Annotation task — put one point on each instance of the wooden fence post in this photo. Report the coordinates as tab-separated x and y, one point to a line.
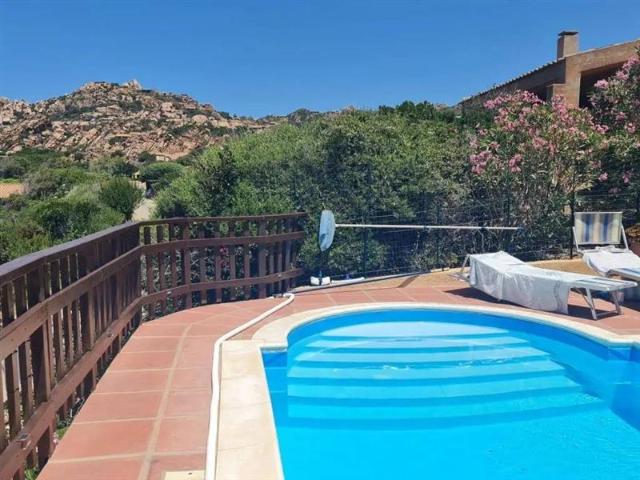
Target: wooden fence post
186	265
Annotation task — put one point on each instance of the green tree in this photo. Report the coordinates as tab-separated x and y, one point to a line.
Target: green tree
21	236
115	166
64	219
206	189
160	174
121	195
11	168
55	182
146	157
358	164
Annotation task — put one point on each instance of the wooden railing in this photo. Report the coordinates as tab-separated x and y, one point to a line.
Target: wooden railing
66	311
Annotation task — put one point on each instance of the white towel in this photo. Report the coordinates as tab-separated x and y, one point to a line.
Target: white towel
506	278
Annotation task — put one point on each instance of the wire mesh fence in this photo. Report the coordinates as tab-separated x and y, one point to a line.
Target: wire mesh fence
384	250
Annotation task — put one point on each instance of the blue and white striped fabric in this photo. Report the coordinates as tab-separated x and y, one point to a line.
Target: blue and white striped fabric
598	228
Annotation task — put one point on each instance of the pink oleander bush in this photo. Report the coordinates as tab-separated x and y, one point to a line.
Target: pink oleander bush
536	153
616	105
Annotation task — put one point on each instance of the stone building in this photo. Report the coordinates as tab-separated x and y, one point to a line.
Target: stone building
572	74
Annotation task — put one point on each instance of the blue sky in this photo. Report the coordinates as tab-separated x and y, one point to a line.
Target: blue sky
273	56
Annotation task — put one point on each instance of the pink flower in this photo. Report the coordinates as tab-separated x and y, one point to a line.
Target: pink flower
622	75
603	176
601	84
477	169
538	143
514	163
630	63
479	161
630	127
517	158
559	106
601	128
621	116
626	177
490	104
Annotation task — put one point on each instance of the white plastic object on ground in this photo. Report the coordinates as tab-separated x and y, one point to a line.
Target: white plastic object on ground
315	281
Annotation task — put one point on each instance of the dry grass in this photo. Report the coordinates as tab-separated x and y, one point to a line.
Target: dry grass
8	189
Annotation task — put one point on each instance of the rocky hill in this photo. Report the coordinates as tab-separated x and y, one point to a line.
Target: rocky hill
118	119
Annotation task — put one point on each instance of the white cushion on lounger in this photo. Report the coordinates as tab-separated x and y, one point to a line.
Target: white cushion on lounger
603	260
506	278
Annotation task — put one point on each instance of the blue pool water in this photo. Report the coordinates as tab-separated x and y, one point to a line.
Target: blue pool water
427	394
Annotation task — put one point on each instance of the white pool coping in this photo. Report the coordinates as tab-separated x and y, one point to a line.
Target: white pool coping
248	445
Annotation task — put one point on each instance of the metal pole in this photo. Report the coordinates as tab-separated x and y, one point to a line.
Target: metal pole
365	249
508	219
572	207
365	246
438	246
422	227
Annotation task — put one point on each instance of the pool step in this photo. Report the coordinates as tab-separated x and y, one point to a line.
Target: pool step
456	357
422	374
409	344
411	328
441	392
489	411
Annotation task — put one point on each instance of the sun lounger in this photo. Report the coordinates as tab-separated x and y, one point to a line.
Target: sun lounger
601	240
504	277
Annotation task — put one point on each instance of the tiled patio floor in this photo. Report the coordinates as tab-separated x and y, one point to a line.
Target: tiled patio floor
149	413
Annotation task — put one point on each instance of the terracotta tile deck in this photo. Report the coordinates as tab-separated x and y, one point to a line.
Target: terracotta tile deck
149	413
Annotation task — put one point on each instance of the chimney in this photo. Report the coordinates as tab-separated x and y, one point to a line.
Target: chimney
567	44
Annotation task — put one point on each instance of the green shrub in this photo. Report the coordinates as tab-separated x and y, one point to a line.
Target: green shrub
207	188
55	182
64	203
116	166
64	219
146	157
19	164
121	195
356	163
11	168
160	174
181	199
190	158
21	236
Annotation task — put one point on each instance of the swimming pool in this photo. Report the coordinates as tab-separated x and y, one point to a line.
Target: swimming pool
419	393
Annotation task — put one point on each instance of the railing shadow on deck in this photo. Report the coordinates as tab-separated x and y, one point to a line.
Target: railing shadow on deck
66	311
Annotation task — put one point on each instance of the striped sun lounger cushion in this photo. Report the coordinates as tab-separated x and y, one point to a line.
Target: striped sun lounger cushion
598	228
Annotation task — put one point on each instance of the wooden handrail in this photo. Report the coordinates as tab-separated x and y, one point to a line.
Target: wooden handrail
19	266
66	311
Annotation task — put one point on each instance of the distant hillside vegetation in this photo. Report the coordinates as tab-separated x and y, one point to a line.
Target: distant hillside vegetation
109	119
